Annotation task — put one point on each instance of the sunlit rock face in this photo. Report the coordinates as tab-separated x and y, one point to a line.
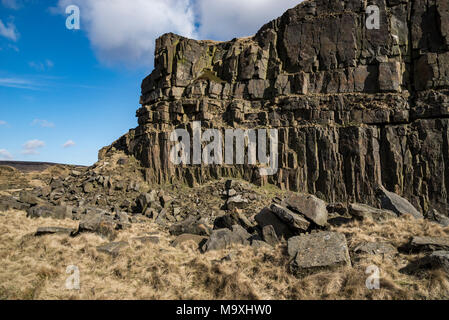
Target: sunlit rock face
355	107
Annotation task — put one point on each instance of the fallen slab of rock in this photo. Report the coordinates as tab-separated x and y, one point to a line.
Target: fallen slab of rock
318	251
363	211
438	260
192	225
42	231
266	217
225	238
293	220
236	202
437	217
399	205
419	244
308	205
49	211
376	248
100	224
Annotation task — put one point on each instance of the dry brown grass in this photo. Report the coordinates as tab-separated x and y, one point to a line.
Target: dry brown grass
34	268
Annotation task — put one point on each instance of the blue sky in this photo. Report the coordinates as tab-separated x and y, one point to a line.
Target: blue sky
64	94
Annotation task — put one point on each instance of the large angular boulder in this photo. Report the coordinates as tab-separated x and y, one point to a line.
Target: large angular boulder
192	225
233	218
266	217
437	217
438	260
429	244
50	211
363	211
293	220
42	231
397	204
225	238
308	205
100	224
318	251
269	235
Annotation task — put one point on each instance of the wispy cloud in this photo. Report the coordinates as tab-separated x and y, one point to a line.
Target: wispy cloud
5	155
8	31
43	123
3	123
69	144
32	146
41	66
18	83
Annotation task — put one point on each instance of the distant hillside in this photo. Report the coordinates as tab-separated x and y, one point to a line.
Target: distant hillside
28	166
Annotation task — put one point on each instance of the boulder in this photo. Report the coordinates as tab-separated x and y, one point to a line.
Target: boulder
363	211
225	238
318	251
233	218
236	202
293	220
29	198
437	217
144	201
113	248
376	248
266	217
308	205
269	235
49	211
418	244
397	204
100	224
438	260
183	238
88	187
192	225
42	231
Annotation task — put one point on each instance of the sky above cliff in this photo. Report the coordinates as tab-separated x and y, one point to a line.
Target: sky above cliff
64	94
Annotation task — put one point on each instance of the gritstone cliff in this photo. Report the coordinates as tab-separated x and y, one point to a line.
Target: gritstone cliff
355	108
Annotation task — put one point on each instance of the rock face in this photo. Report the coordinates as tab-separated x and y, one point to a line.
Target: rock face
355	108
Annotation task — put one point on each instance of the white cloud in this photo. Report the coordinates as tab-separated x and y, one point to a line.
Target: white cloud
43	123
125	31
69	144
8	31
41	66
228	19
5	155
3	123
32	146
